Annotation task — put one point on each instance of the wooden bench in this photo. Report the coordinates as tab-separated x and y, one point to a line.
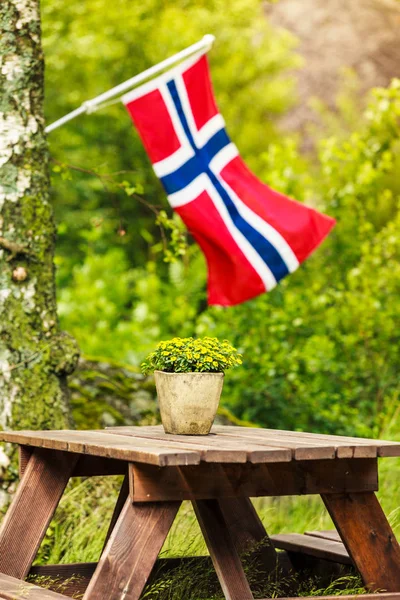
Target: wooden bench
318	545
326	545
320	554
15	589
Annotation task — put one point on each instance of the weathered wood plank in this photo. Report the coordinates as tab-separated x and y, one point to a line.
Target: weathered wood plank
15	589
222	550
345	444
131	551
224	444
304	544
297	450
206	481
330	534
305	447
301	450
30	513
213	448
368	538
105	445
331	437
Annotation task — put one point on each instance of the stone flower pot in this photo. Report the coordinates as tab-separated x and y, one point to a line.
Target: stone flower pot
188	401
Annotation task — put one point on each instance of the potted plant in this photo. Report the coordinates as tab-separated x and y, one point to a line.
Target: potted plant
189	375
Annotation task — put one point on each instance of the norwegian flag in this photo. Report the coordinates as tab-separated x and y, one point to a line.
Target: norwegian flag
251	235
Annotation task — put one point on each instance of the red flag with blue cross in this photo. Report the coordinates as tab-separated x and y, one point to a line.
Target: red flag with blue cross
251	235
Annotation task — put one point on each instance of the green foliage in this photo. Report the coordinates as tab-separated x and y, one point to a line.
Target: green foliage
178	244
120	312
80	525
105	393
188	355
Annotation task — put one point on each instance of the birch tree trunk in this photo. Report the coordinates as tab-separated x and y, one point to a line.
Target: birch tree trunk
35	356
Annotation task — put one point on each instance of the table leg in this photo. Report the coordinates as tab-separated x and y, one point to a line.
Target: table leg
247	531
25	524
132	551
222	549
368	537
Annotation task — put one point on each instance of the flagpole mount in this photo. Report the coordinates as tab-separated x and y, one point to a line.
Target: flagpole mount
90	106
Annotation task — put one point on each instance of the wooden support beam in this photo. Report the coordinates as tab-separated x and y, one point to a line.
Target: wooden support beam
368	538
103	444
38	496
207	481
15	589
86	466
222	550
132	551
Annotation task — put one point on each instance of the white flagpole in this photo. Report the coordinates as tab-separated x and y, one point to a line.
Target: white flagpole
91	105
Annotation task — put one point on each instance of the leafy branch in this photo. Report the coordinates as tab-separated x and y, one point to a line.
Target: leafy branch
173	249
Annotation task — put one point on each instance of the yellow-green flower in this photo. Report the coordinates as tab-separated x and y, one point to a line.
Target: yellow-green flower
178	354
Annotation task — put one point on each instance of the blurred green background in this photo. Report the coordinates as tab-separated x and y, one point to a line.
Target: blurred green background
321	352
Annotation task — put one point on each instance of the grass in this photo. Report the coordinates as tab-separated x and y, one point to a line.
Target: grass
78	530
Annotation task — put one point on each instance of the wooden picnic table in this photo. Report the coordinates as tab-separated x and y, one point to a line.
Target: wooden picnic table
218	474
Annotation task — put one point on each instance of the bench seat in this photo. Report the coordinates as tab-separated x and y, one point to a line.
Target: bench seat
325	545
15	589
